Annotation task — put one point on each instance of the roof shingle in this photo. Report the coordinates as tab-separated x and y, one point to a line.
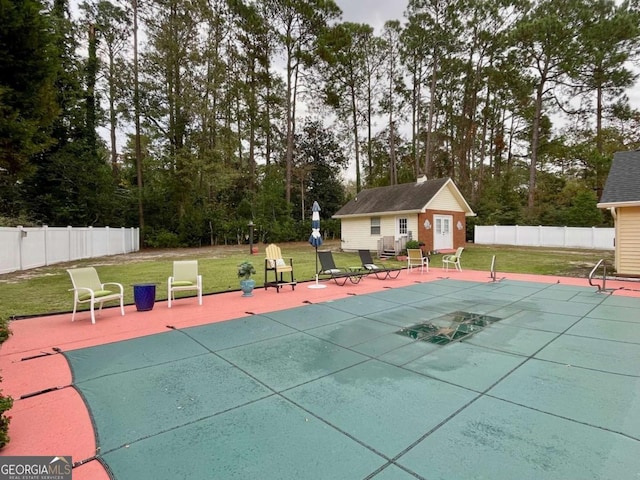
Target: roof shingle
394	198
623	182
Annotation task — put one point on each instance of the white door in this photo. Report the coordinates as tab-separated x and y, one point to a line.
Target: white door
442	233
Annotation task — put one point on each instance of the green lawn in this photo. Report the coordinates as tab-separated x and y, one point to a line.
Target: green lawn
46	290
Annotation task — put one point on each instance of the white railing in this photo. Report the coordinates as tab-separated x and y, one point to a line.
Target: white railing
569	237
22	248
386	244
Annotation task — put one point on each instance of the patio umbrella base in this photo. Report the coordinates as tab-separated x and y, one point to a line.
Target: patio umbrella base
317	285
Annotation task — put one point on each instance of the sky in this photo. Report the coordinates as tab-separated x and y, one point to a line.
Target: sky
372	12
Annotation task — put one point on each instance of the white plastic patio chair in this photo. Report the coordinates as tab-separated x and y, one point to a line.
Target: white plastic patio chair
87	288
453	259
185	277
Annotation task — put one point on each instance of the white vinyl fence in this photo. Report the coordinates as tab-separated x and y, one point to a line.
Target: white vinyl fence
22	248
570	237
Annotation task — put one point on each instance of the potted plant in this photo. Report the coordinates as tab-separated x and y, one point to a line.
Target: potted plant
403	254
414	244
247	284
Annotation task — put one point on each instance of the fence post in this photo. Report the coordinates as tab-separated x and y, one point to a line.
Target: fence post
21	233
90	242
564	236
69	242
45	230
517	234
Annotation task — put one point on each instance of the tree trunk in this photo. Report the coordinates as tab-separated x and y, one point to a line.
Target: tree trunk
535	142
428	167
136	106
354	119
289	107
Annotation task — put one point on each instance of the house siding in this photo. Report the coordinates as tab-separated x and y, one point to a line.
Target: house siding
445	201
628	241
413	226
356	232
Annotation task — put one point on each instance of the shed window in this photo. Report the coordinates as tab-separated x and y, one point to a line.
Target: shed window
375	225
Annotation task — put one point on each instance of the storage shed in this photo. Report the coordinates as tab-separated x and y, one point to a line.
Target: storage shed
383	219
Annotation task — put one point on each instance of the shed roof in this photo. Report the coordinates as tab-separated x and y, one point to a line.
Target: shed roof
623	183
406	198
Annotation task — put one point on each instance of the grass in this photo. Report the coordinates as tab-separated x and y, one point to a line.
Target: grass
46	289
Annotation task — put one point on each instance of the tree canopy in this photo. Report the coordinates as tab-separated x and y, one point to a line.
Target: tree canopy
193	118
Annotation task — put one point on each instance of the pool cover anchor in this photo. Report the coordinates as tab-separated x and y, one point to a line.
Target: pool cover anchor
40	392
42	354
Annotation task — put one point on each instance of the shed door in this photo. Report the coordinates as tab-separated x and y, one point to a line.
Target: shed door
442	233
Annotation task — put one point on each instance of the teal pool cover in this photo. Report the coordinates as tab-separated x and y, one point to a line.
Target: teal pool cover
546	387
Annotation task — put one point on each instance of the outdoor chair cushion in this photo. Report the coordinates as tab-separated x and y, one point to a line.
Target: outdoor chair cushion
185	277
85	281
99	293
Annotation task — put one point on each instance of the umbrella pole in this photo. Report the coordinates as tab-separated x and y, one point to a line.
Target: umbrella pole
316	285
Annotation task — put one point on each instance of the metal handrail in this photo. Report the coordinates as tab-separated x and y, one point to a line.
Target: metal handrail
603	287
493	269
493	274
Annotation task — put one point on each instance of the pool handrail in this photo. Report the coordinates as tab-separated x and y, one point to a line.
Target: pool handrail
601	288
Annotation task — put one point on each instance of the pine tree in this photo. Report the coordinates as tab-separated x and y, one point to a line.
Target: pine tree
27	102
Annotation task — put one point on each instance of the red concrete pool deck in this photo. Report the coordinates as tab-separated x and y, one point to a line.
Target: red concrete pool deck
57	421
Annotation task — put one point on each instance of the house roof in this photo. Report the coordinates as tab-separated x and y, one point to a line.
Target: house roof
405	198
622	188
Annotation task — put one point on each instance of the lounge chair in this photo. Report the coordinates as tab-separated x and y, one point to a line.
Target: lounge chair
276	264
87	288
380	271
341	276
185	277
453	259
415	258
